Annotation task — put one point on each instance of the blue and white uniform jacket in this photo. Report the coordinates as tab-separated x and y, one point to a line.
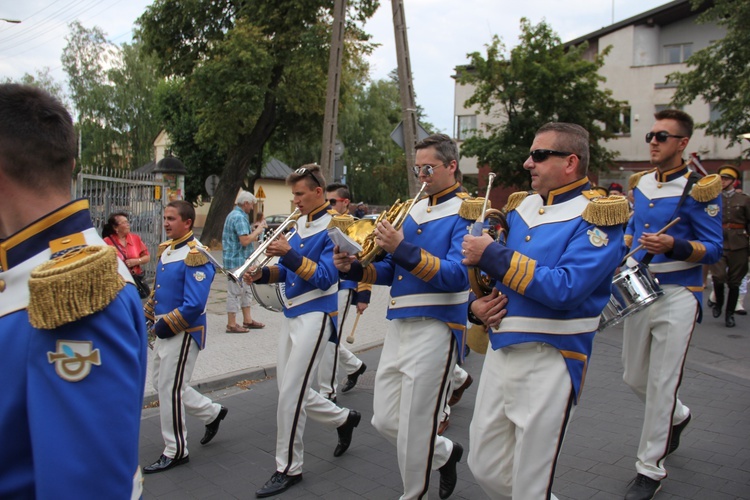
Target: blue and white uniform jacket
557	272
183	282
73	387
697	236
362	291
311	281
425	272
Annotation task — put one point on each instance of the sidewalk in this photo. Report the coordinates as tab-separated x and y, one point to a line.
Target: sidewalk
597	460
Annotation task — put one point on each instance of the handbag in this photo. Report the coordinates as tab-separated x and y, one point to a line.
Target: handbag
143	289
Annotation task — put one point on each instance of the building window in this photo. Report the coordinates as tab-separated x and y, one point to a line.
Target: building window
675	54
714	113
625	120
467	127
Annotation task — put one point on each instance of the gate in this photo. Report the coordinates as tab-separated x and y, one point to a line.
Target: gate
139	195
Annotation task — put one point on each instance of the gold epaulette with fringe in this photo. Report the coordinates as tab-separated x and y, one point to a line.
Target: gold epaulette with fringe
607	211
341	221
195	258
471	208
514	200
73	286
162	247
707	188
634	179
463	195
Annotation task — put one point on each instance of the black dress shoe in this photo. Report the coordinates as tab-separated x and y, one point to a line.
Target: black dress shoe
165	463
644	488
345	431
351	380
213	427
741	312
456	396
674	439
279	482
729	321
448	473
716	311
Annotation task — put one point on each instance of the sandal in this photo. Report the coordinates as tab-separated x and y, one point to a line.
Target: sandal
254	325
236	329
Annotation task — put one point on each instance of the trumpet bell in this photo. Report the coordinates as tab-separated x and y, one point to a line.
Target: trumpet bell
362	231
478	339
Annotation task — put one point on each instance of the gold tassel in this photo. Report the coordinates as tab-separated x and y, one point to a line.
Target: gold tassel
471	208
341	221
195	258
609	211
71	287
634	179
707	188
162	247
514	200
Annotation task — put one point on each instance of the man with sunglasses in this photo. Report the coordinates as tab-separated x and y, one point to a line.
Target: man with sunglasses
564	243
349	293
426	334
310	313
656	339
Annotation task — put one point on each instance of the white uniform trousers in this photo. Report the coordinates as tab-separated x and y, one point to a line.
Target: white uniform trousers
457	380
654	347
336	356
523	406
411	385
173	363
301	345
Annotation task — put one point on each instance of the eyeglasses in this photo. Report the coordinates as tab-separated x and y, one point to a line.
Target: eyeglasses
662	136
427	170
333	201
303	171
540	155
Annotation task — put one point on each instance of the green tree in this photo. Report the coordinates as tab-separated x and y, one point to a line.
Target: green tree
44	80
113	92
721	72
249	68
540	81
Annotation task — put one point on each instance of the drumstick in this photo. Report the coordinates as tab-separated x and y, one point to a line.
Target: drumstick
350	338
661	231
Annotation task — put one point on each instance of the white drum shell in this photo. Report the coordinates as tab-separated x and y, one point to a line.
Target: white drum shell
270	295
633	289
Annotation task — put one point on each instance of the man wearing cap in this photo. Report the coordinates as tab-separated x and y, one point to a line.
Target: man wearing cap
732	266
360	211
615	189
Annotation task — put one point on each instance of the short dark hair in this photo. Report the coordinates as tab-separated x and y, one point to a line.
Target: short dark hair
683	119
312	175
445	148
342	190
37	138
185	209
570	137
109	227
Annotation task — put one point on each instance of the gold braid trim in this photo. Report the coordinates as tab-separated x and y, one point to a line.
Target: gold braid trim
707	188
341	221
71	287
514	200
634	179
471	208
609	211
162	247
194	258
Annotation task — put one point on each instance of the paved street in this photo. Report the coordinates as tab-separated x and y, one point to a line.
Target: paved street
597	462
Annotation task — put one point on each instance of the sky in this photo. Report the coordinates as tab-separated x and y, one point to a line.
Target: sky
440	35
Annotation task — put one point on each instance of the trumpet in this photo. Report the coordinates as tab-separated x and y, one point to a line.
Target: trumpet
254	259
481	284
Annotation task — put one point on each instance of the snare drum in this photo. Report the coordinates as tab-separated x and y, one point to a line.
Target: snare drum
633	289
270	295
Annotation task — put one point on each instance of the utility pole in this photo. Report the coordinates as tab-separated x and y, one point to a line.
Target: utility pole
330	121
406	90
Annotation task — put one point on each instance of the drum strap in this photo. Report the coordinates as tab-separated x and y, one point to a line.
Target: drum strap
692	179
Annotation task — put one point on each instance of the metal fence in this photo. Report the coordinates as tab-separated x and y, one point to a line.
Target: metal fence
141	196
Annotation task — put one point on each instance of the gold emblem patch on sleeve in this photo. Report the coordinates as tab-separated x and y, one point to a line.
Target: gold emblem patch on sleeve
597	237
199	276
73	359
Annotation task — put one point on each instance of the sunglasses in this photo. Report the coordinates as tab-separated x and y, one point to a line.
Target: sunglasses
427	170
333	201
540	155
303	171
662	136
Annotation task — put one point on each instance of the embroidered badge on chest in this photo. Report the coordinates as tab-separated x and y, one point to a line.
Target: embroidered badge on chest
597	237
73	359
199	275
712	210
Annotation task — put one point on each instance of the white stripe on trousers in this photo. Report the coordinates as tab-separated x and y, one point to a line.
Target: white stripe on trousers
337	355
523	406
301	344
173	363
410	390
654	348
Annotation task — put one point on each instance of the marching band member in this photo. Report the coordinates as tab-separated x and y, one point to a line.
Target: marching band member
563	245
177	309
73	361
310	310
656	340
426	335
